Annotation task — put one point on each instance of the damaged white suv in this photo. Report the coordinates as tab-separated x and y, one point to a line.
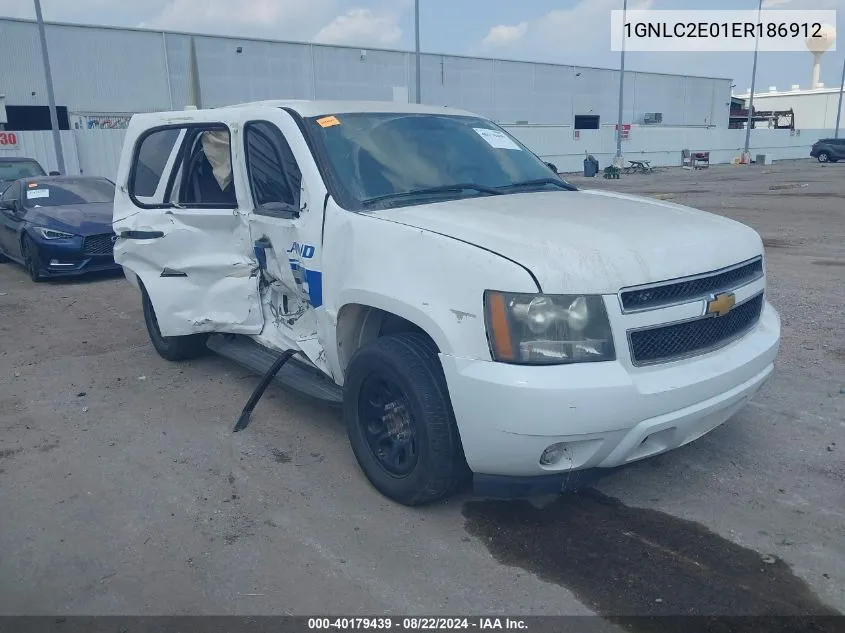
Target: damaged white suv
475	314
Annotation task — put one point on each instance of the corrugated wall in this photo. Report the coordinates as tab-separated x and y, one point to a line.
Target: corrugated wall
120	70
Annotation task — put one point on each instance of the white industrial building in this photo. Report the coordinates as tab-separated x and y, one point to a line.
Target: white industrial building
813	109
100	73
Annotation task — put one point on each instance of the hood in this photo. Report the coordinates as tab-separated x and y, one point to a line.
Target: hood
589	241
79	219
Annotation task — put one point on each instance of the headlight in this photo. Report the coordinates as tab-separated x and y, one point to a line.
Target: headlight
547	329
50	234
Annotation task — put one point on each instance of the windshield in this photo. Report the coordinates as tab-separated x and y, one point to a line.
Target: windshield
382	160
12	170
59	193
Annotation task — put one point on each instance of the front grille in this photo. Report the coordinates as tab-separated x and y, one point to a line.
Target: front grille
650	297
98	244
664	343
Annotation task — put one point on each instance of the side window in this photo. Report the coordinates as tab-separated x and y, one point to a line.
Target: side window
151	158
273	173
12	192
188	166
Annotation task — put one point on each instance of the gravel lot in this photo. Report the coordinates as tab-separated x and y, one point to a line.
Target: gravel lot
123	490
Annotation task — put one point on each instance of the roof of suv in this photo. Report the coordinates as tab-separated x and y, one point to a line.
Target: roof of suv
315	108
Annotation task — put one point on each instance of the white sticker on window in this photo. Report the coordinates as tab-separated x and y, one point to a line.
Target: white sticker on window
496	139
37	193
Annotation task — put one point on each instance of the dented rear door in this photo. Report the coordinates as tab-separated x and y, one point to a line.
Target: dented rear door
181	220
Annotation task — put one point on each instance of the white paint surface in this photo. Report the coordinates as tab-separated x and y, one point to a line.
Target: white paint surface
431	264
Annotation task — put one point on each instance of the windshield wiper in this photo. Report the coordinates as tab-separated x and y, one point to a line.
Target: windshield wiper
538	182
456	188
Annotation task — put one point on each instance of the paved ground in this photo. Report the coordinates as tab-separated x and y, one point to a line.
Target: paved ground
123	491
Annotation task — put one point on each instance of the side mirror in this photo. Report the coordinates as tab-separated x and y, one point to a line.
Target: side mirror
552	166
8	205
55	173
278	210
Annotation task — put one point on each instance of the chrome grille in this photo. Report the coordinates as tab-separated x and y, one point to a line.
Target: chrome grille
691	288
688	338
98	244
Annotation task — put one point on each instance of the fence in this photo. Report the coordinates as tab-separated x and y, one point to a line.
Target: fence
97	152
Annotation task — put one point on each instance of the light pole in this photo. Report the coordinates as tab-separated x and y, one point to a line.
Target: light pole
621	86
417	48
839	109
51	99
753	81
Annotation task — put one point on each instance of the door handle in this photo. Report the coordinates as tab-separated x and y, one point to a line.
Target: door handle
141	235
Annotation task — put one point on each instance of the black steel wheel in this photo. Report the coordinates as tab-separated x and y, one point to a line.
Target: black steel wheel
389	429
400	422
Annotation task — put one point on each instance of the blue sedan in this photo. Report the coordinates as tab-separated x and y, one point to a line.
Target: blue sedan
58	226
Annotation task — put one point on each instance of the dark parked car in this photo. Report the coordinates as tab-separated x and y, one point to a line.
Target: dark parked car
828	150
58	226
12	168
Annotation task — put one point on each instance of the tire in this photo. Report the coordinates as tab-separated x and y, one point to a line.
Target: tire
824	157
172	348
417	415
31	259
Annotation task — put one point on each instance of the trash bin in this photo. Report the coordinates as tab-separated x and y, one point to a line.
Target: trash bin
591	166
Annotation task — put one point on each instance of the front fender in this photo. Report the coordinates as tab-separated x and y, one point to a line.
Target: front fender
432	280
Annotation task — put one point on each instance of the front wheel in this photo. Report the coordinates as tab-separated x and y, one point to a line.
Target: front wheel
824	157
172	348
400	422
32	259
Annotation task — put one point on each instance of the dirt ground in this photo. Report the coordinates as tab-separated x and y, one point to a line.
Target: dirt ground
123	490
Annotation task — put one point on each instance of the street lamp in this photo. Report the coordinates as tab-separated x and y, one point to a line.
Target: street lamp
839	109
621	86
417	47
753	81
51	99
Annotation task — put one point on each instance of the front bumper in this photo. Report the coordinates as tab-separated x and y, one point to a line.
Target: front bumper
67	258
606	414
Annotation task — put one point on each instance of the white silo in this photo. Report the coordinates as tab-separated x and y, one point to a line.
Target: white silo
818	46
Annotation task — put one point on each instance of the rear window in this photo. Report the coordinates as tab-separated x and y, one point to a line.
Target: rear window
12	170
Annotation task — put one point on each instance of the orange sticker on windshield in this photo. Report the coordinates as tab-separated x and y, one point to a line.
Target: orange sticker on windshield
328	121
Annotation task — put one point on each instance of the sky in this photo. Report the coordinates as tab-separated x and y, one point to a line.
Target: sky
559	31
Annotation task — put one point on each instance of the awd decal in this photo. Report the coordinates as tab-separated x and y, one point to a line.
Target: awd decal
311	280
303	251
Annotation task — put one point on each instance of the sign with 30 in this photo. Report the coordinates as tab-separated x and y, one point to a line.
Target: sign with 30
8	140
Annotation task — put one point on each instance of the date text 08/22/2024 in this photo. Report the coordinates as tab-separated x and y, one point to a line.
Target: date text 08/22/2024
415	624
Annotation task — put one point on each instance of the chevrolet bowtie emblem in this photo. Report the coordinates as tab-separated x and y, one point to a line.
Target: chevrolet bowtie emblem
721	304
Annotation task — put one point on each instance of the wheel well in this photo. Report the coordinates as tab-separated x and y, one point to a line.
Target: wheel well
358	324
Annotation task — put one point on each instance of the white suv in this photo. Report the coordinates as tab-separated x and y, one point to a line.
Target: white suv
475	314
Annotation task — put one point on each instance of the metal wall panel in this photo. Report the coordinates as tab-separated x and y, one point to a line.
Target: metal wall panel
554	90
262	70
458	82
94	67
354	73
99	69
21	74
